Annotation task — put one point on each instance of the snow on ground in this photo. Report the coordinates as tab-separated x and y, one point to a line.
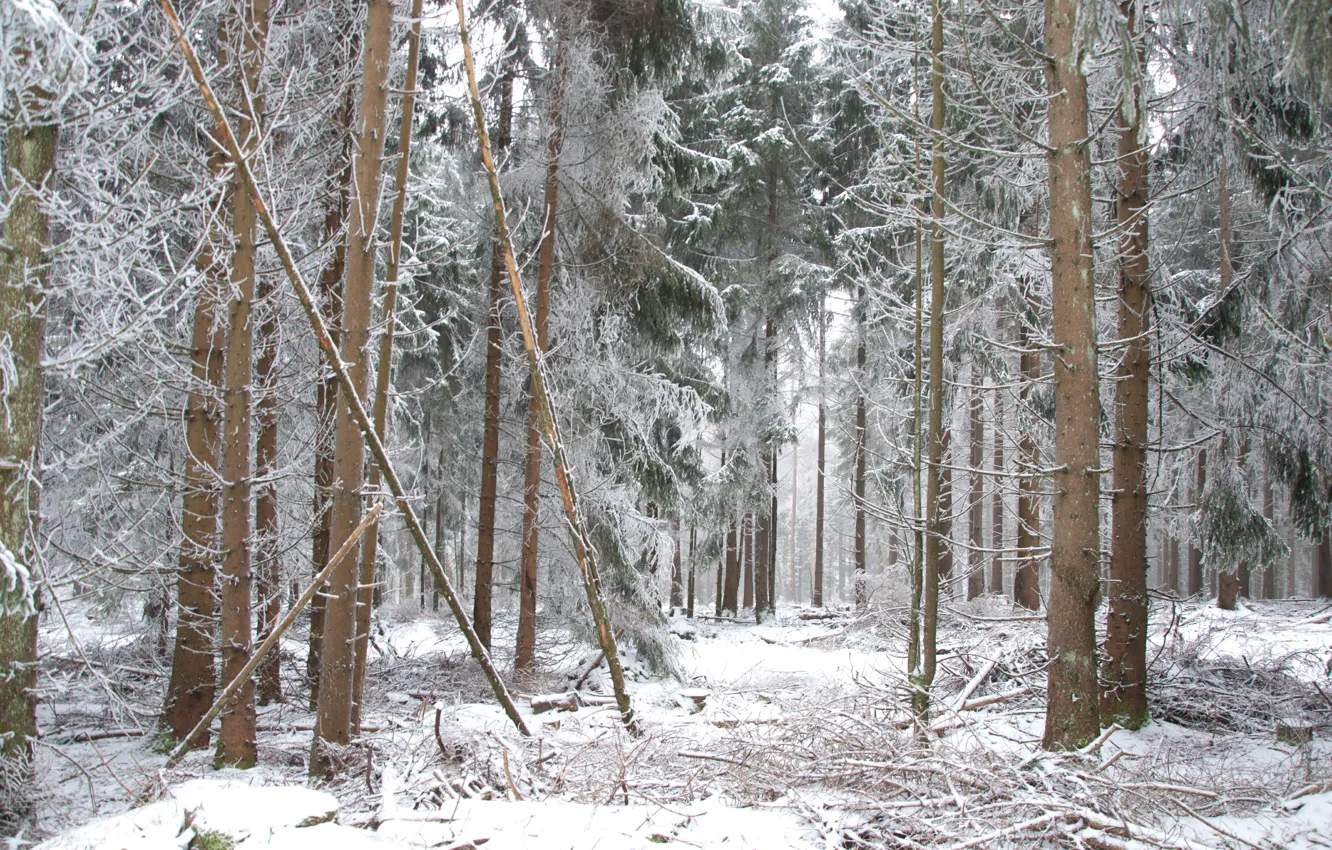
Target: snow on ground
791	734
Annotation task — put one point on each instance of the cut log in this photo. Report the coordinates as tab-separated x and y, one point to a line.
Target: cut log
567	701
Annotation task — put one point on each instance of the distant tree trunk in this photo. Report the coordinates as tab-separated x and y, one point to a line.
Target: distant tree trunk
1195	585
997	510
727	593
269	585
1072	718
1027	576
525	650
772	536
367	590
193	674
1124	700
485	526
946	587
677	568
766	527
858	473
1174	564
337	673
976	519
935	511
1269	512
763	539
1230	585
326	388
1322	585
693	543
30	157
748	532
816	598
236	742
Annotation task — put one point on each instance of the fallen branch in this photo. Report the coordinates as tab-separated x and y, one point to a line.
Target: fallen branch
223	702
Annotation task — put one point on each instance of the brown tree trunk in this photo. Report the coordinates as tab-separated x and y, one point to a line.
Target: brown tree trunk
337	673
945	526
1195	585
976	518
269	585
1124	700
729	591
384	370
763	539
525	651
193	674
816	594
997	509
766	526
1027	576
677	567
1174	564
747	532
236	741
1072	718
30	156
486	505
326	388
693	541
1269	512
858	473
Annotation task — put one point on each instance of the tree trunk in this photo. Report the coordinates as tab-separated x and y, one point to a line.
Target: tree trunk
747	535
858	474
326	388
269	586
1124	700
485	526
1322	584
1071	717
193	674
1027	576
236	742
732	584
693	540
933	572
997	509
30	155
945	527
1195	585
763	540
1269	512
337	673
976	519
524	654
365	596
677	567
816	594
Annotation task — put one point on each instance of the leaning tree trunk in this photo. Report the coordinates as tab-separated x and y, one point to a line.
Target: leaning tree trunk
490	433
1071	717
384	370
30	155
193	673
337	671
236	741
1124	700
524	657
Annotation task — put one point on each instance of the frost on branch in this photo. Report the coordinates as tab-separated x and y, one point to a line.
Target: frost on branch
43	62
15	586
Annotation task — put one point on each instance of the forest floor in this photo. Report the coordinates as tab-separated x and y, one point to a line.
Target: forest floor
800	742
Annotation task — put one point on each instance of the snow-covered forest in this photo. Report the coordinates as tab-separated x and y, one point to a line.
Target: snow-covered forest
605	423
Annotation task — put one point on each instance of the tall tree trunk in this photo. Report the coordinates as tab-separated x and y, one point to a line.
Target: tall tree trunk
976	519
729	591
30	156
946	585
193	674
337	674
486	505
1027	576
766	526
326	388
693	540
858	468
997	509
1195	584
748	532
816	593
524	654
269	586
933	571
763	541
677	567
236	742
365	596
1124	700
1072	717
1174	564
1269	513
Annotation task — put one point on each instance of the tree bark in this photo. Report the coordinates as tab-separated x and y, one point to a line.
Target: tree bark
384	369
236	742
816	594
1269	512
269	585
1027	576
976	519
732	584
1322	585
525	651
858	473
337	673
30	158
1124	699
997	509
677	567
748	532
486	505
1195	584
1072	718
192	685
693	540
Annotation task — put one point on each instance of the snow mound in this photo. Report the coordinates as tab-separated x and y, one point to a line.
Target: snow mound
209	814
